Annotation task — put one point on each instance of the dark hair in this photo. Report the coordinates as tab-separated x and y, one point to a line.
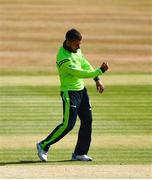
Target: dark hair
72	35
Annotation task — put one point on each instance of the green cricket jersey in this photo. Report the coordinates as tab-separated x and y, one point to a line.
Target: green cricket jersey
72	68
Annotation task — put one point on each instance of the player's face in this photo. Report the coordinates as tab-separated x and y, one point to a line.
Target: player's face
74	45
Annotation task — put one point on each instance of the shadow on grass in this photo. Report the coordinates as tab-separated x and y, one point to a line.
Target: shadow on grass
33	162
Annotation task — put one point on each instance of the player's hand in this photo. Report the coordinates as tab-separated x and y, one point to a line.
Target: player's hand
104	67
99	86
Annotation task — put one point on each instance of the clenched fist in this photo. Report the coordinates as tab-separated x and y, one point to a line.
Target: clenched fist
104	67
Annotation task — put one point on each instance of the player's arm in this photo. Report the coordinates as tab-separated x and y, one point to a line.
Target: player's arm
99	84
70	68
87	66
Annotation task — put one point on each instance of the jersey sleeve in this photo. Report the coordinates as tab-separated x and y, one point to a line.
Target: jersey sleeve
68	67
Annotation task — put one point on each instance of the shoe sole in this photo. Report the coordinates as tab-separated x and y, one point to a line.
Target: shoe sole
81	160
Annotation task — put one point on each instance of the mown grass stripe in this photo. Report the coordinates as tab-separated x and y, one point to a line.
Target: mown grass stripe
120	111
101	156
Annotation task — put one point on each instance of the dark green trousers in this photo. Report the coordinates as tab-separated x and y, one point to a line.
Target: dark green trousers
75	103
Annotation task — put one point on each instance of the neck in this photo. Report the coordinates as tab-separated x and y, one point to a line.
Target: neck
68	48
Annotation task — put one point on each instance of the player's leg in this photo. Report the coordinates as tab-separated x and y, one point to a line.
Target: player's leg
69	119
84	136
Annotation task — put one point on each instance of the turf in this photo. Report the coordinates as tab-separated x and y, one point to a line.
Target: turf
35	110
119	156
121	110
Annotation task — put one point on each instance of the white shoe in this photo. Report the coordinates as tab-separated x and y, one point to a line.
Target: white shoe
41	153
81	157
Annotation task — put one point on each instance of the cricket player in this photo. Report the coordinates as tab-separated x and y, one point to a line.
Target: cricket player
73	68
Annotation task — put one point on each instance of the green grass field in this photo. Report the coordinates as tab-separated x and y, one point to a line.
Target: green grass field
122	127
